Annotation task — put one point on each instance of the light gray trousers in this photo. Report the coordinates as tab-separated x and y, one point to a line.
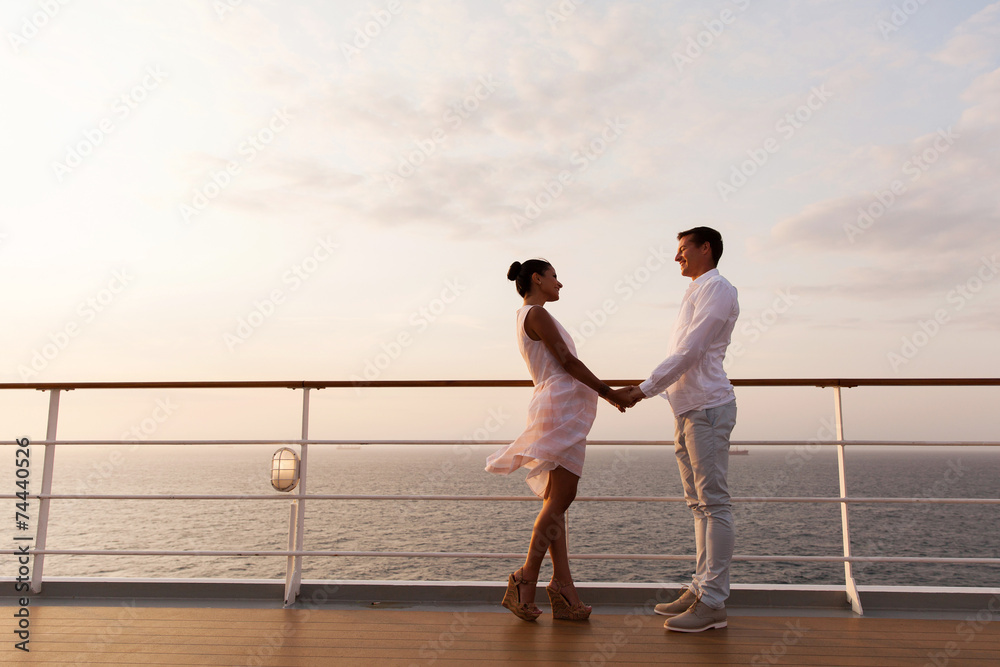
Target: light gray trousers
702	448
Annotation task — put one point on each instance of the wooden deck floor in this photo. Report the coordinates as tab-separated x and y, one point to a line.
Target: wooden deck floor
157	636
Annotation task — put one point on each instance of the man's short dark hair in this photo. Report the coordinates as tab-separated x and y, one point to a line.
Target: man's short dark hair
702	235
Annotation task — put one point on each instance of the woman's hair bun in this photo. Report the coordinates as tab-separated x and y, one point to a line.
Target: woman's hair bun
514	271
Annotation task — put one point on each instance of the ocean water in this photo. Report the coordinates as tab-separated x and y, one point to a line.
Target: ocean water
504	526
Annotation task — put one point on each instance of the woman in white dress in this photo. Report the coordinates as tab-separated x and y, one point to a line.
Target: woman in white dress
552	446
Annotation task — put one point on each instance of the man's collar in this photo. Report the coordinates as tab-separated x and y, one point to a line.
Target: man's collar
705	276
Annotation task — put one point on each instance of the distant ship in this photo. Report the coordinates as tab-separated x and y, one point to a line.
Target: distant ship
737	451
348	446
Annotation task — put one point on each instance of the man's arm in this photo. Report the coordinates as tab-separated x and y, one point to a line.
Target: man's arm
712	308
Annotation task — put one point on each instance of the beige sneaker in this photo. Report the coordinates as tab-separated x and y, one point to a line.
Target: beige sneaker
678	606
699	617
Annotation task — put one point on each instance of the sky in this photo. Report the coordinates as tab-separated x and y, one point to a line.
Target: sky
255	190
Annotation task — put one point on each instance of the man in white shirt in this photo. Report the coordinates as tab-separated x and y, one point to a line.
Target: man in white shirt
704	407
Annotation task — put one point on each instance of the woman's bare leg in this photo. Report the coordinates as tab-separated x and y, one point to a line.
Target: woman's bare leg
549	534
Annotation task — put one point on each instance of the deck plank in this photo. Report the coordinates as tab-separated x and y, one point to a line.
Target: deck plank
62	635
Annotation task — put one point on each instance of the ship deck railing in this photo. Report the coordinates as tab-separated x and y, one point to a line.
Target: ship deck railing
295	551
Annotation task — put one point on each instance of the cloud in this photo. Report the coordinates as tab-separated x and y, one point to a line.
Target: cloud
976	42
461	136
924	222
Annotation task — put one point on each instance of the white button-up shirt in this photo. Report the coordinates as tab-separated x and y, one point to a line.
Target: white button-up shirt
691	377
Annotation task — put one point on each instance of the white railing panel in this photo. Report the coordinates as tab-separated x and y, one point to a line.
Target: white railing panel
296	551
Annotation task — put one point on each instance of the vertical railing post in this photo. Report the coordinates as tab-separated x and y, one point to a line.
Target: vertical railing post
851	586
290	593
293	574
42	530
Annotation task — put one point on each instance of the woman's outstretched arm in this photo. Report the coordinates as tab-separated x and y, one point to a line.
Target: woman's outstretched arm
539	325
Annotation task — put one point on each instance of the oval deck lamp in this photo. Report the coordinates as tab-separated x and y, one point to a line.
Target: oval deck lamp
285	469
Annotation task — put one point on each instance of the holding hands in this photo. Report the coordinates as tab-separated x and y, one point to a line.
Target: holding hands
624	397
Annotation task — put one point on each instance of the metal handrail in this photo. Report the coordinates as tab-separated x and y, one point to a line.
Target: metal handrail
324	384
295	551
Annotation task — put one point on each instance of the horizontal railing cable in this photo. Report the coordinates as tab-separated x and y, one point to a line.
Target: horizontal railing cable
486	555
600	499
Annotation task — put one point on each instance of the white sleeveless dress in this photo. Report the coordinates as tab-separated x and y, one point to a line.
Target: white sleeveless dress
560	415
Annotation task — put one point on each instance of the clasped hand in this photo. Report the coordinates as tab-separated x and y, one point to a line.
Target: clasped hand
624	397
